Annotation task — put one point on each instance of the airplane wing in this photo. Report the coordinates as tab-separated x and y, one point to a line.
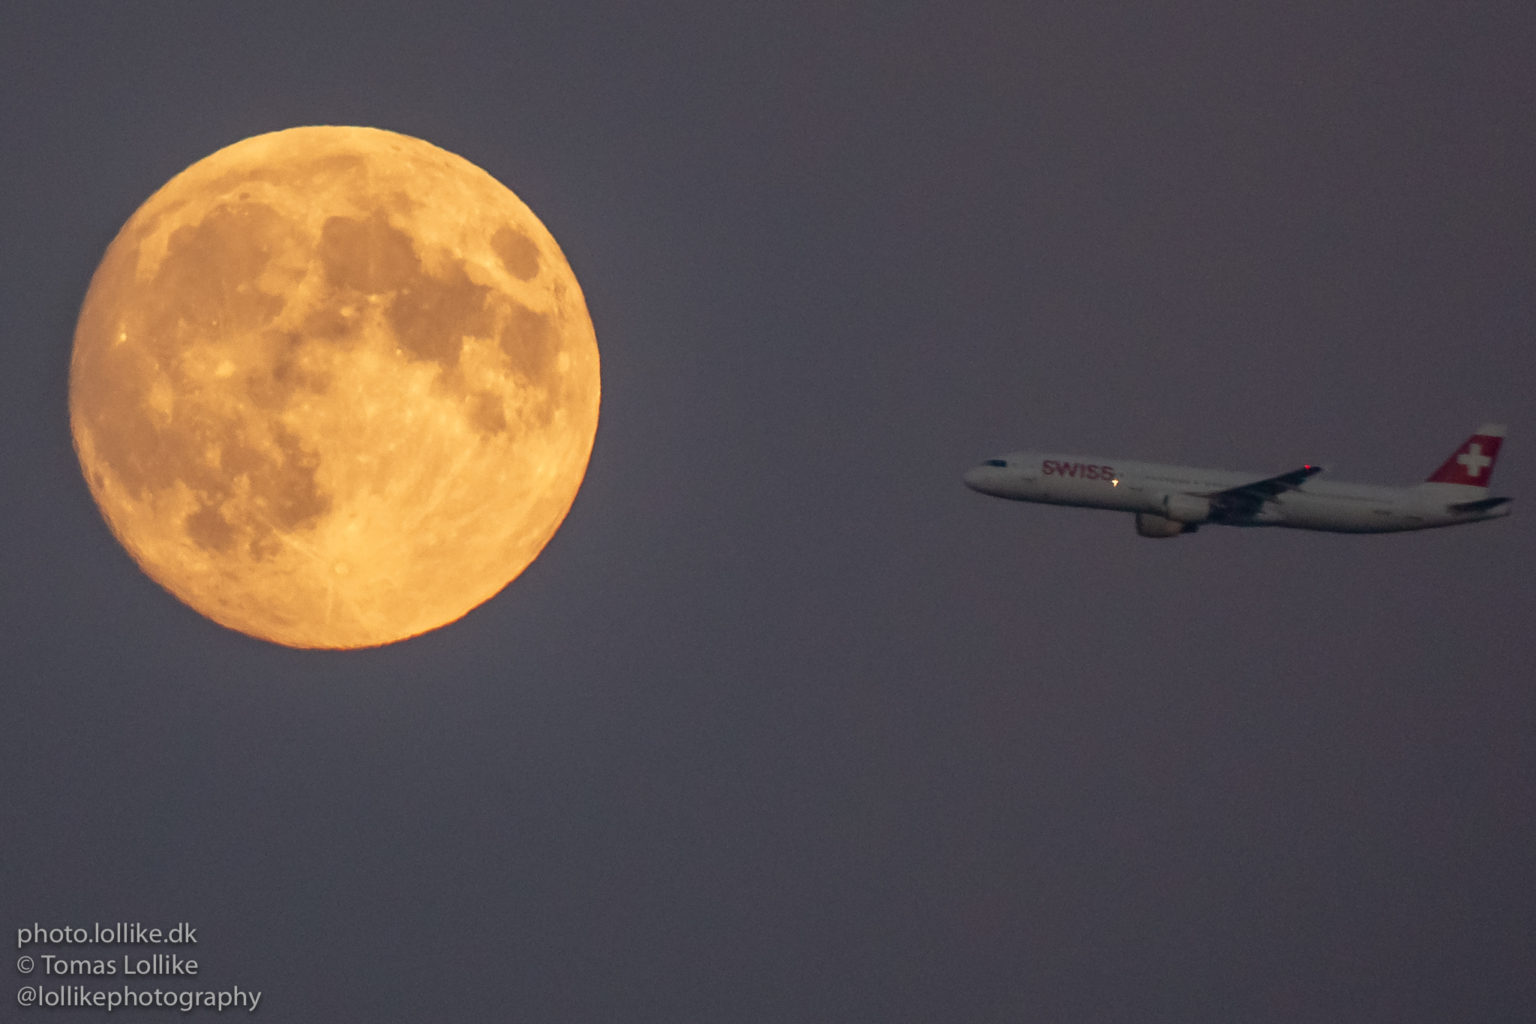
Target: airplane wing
1247	499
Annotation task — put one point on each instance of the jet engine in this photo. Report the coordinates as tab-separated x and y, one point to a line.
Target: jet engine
1149	525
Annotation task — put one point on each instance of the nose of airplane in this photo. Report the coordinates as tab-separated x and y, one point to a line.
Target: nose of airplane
987	476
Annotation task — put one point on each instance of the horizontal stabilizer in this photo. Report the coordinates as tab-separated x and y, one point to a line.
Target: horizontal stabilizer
1482	505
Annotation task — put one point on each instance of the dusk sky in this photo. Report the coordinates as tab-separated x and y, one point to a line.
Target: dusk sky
786	724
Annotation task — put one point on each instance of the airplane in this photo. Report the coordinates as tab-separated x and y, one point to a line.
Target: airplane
1173	500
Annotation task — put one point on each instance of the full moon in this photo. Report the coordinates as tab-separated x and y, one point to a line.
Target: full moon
334	387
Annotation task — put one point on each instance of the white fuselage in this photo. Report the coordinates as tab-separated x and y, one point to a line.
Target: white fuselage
1152	488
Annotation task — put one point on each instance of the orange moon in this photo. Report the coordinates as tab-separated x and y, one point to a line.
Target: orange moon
334	387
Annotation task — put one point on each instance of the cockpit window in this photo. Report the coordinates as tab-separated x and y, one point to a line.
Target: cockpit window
1001	463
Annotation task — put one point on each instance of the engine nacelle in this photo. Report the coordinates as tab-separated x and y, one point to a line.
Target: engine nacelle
1185	508
1149	525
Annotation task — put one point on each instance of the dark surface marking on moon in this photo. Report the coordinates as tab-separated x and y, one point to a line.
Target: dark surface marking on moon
126	436
208	528
144	450
282	494
401	203
483	409
486	414
368	256
282	370
284	489
209	271
517	253
207	275
329	322
432	314
531	342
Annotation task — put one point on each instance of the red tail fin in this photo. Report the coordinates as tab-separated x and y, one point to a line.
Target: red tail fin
1472	463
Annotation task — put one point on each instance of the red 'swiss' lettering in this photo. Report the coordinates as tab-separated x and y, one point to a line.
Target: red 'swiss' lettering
1077	469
